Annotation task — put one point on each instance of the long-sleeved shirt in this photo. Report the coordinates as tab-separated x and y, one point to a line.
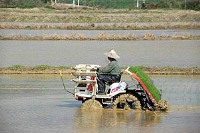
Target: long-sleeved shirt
112	68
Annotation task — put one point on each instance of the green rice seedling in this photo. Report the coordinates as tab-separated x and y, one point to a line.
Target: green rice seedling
147	81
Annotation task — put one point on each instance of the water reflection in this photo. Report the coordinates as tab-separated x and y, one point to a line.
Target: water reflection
117	121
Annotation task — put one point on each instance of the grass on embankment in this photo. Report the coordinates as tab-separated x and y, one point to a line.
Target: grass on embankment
41	69
45	69
101	36
103	26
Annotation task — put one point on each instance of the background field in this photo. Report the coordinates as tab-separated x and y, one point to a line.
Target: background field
130	4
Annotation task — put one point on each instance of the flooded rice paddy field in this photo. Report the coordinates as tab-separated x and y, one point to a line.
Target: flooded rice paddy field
38	103
176	53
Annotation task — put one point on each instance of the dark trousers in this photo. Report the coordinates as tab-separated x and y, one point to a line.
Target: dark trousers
102	79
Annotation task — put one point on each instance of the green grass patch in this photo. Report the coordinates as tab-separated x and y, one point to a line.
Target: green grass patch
35	68
147	81
46	67
41	67
17	68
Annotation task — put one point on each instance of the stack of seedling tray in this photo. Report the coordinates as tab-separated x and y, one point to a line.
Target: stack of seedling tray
147	82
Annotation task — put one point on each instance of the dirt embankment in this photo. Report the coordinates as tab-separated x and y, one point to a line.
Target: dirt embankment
148	70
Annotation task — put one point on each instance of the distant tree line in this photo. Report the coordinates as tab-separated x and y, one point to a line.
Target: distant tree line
130	4
21	3
172	4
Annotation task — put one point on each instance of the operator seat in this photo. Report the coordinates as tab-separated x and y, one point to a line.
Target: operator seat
117	80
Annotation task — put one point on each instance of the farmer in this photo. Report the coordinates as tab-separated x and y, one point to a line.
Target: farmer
110	73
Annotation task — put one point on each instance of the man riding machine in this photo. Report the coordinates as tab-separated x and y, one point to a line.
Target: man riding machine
98	87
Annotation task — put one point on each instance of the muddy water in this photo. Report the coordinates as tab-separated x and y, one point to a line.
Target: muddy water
37	103
179	53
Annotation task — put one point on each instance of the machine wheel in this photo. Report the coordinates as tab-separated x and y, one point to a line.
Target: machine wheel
126	101
91	104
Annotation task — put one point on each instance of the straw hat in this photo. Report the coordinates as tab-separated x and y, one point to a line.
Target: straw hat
112	54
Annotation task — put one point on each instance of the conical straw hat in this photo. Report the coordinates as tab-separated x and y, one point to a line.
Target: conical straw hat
112	54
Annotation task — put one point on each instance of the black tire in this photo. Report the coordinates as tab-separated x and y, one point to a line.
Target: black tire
126	101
